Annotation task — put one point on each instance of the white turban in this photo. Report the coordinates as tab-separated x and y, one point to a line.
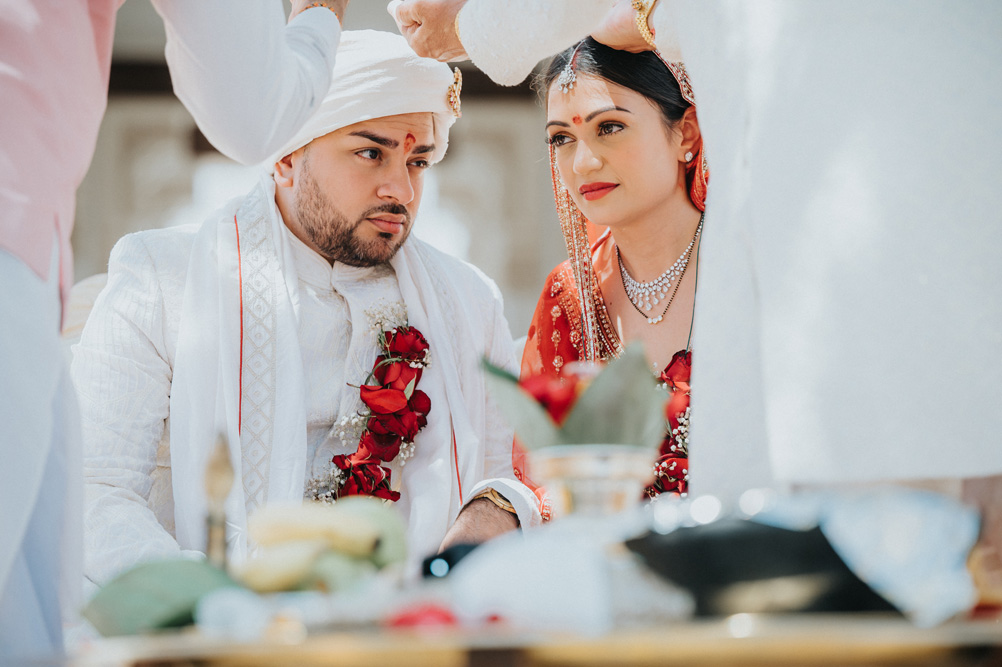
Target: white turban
376	74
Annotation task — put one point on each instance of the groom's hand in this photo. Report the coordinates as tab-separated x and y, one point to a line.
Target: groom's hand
336	6
479	521
430	27
619	29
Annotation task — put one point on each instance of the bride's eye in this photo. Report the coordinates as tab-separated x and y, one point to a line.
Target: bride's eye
558	140
610	128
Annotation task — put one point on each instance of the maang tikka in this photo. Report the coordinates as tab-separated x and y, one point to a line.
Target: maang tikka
568	76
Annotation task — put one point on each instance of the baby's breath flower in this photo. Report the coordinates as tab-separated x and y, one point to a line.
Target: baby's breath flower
384	316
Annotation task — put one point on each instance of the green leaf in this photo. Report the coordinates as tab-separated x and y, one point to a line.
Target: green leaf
409	389
531	422
622	405
154	595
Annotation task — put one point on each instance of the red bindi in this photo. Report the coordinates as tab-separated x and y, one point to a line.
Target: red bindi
577	120
409	142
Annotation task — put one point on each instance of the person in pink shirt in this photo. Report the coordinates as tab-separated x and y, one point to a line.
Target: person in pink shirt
250	80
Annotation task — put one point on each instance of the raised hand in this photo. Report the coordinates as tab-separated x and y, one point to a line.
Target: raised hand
338	6
430	27
619	29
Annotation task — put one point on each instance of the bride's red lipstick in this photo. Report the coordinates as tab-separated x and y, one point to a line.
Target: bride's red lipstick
593	191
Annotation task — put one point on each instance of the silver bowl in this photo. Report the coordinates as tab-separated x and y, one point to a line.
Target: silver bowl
594	479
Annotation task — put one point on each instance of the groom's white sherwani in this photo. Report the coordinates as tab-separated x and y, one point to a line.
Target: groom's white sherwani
238	326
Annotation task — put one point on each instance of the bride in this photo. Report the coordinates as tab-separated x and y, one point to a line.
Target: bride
625	154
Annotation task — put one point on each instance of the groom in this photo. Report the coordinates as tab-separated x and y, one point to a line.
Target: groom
263	323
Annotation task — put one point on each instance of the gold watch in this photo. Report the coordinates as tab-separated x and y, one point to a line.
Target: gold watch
497	499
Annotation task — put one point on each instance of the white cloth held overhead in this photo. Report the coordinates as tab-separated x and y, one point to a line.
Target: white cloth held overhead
248	78
377	75
507	39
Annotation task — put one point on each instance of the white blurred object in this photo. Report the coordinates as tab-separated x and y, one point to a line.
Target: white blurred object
909	546
233	613
705	509
242	615
214	181
82	297
570	576
848	326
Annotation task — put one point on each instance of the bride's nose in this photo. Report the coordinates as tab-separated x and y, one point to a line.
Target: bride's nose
585	159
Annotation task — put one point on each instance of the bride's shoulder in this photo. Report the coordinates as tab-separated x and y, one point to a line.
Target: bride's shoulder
560	280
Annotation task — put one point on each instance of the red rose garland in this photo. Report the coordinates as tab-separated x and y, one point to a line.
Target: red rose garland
672	467
398	410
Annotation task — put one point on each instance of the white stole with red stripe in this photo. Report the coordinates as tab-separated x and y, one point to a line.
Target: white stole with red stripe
239	371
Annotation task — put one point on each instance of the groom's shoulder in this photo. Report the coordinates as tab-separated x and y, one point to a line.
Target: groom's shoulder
159	249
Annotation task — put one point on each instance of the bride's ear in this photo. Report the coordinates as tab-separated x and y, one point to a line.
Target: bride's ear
692	140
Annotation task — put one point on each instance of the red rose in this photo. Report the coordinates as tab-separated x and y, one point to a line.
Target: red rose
365	478
677	405
419	403
381	424
422	615
382	446
555	394
410	424
393	417
397	374
676	375
405	424
406	343
382	400
672	477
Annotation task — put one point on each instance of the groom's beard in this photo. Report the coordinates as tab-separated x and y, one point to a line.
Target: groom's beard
340	240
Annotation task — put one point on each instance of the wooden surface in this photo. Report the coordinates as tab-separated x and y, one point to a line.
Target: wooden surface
739	640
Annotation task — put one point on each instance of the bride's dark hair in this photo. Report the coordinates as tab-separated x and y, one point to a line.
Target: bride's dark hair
642	72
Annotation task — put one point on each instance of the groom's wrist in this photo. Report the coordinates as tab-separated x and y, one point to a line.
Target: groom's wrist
489	517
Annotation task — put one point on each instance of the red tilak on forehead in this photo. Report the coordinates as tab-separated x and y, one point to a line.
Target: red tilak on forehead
409	142
577	120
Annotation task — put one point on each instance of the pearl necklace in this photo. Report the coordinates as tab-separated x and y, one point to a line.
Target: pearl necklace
644	296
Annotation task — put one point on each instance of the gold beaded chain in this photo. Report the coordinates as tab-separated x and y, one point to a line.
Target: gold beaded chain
644	10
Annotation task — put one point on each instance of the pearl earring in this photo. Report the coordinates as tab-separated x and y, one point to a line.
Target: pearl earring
688	156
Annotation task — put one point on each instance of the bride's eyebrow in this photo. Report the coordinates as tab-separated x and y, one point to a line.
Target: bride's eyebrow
592	115
589	117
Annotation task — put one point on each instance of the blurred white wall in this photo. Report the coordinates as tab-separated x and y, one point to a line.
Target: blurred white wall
490	200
